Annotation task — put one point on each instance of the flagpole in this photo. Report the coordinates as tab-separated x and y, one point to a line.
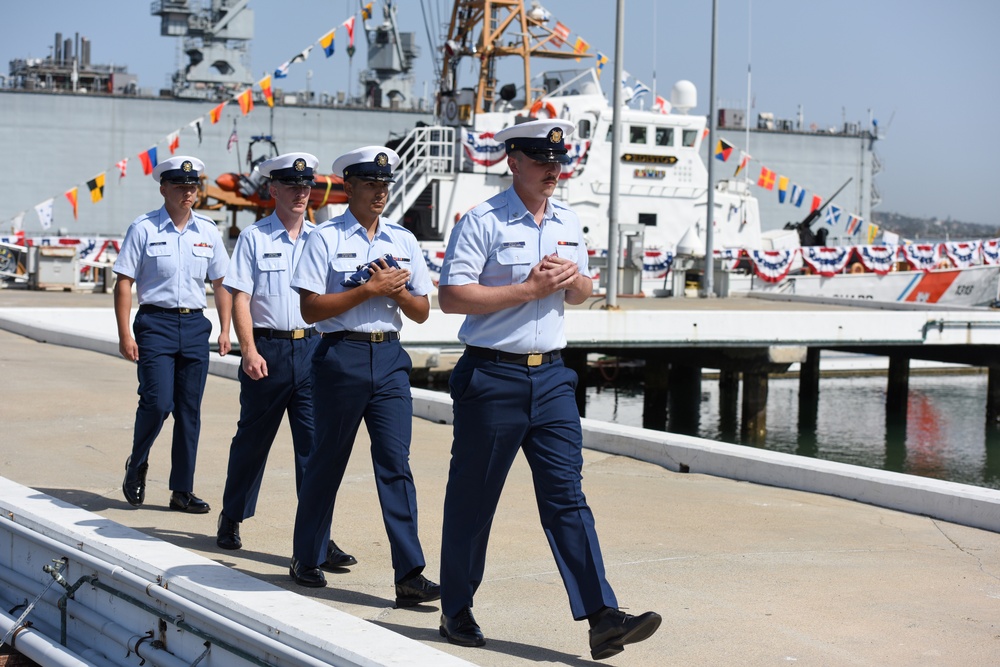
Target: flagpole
707	290
746	120
611	284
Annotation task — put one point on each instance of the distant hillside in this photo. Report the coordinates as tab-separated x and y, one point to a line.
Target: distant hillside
933	228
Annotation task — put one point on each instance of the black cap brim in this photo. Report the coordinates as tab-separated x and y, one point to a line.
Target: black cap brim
549	156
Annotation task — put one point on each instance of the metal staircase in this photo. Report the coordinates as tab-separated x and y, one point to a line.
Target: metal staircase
427	154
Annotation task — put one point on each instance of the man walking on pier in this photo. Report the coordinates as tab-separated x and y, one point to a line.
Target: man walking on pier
359	274
276	344
167	254
510	265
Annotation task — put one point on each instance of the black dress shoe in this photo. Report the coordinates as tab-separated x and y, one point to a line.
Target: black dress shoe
611	629
416	590
228	536
185	501
134	486
462	629
335	558
311	577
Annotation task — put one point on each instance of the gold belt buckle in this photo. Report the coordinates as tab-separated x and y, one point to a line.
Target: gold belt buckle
298	333
535	359
184	311
377	337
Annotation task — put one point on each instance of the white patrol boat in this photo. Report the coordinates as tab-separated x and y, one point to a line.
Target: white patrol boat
451	166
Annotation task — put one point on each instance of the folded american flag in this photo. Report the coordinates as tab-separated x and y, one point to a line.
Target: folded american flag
364	272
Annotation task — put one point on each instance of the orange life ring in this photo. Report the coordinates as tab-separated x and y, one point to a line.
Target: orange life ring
542	104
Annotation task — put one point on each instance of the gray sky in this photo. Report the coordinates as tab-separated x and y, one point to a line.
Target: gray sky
927	71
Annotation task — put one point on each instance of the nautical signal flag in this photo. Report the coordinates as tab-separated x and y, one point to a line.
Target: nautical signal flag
96	186
766	179
246	101
122	166
71	196
174	141
742	165
366	12
560	34
723	149
148	159
853	225
349	24
327	42
233	138
602	60
817	202
196	126
661	104
581	46
782	189
832	215
872	233
215	114
265	87
44	211
798	194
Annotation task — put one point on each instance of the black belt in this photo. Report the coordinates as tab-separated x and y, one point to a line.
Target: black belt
372	337
295	334
533	359
147	308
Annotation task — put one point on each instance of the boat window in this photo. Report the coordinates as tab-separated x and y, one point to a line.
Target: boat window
583	129
637	134
690	136
648	219
610	134
664	136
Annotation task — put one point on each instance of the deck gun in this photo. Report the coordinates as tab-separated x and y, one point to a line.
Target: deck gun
806	236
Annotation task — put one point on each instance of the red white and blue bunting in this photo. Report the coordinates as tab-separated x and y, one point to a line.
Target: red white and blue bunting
657	261
877	258
772	265
991	251
922	256
963	253
826	261
482	148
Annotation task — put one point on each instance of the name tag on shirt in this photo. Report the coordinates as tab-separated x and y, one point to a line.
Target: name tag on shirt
346	255
513	244
155	243
271	255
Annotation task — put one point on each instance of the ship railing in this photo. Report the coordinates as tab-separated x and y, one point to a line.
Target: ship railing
425	155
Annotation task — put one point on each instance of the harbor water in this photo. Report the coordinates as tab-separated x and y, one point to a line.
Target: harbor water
945	436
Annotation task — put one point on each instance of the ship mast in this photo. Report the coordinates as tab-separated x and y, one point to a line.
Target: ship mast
527	36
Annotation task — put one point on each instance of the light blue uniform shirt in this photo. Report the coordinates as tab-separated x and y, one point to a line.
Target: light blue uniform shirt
333	252
498	243
169	266
262	265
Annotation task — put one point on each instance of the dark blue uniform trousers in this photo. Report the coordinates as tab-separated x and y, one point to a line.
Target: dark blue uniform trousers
286	388
172	369
355	380
501	408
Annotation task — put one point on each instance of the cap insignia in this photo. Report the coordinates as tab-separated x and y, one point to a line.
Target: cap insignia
381	159
187	166
555	136
299	165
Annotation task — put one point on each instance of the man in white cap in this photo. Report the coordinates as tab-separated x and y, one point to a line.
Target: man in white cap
167	254
510	265
358	275
276	345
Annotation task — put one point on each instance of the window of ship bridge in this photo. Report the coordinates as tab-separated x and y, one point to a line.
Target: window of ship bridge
637	134
583	129
664	136
689	137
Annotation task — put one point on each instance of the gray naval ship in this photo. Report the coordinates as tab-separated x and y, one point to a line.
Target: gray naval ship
72	119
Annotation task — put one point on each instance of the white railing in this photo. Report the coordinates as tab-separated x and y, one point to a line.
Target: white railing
425	154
